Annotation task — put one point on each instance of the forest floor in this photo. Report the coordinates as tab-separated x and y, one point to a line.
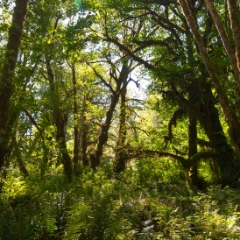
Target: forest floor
96	206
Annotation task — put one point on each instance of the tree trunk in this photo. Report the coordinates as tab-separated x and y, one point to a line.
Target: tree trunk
22	167
45	159
7	74
84	141
233	10
61	140
230	115
192	149
120	157
76	147
83	132
213	128
60	121
192	120
103	137
225	40
208	116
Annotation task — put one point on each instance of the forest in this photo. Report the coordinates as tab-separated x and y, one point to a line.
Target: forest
119	119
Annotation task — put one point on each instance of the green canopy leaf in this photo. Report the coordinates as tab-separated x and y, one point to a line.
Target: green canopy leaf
79	4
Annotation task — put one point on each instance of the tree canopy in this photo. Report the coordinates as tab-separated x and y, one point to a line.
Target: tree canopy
108	95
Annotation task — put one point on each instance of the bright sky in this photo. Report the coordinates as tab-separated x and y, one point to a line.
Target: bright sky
133	90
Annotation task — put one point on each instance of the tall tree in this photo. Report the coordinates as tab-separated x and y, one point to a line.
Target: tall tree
168	37
230	114
7	75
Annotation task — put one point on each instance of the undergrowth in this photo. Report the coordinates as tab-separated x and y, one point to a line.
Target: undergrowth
150	201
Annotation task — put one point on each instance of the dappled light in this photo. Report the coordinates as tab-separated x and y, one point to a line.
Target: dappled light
119	120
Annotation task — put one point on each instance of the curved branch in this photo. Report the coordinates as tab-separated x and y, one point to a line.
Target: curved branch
159	2
203	155
31	118
101	78
151	42
185	162
204	143
129	52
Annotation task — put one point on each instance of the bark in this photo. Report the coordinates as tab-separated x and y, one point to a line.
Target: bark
80	126
208	116
7	74
225	40
235	23
192	137
75	120
213	128
120	157
21	164
103	137
192	120
60	121
192	149
84	133
84	142
230	115
45	159
162	2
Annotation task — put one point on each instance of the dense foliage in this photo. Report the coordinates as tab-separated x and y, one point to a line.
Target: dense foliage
144	204
119	119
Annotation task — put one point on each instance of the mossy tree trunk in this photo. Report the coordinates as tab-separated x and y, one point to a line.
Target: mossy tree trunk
192	120
7	75
21	164
60	122
120	157
192	149
84	133
213	128
229	113
76	147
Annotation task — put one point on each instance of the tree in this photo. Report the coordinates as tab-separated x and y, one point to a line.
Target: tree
169	36
7	75
230	114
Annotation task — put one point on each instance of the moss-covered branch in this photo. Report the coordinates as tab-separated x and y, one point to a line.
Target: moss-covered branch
186	163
